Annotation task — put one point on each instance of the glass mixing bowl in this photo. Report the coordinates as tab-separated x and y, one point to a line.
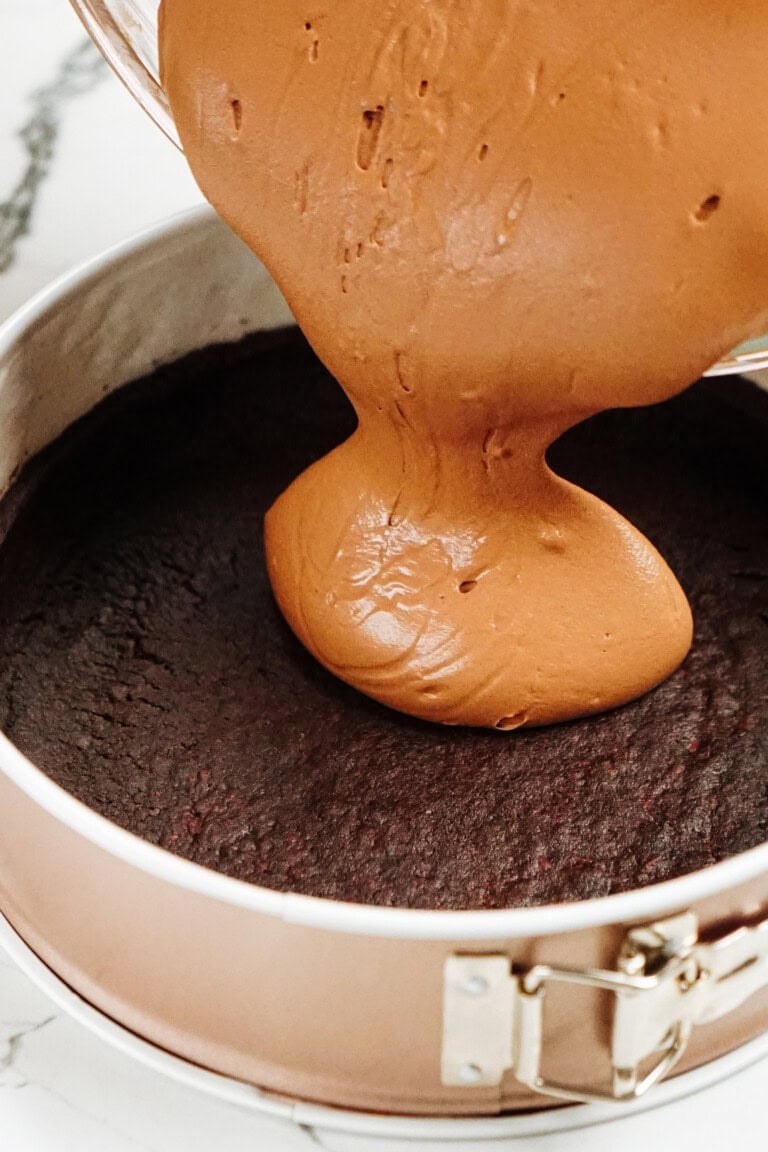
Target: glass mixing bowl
125	31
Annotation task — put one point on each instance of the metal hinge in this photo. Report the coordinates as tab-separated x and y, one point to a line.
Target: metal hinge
665	983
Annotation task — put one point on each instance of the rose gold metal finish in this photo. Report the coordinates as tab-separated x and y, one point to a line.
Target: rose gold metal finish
313	1000
351	1020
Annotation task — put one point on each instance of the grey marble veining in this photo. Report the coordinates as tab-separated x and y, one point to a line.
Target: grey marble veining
79	73
81	167
13	1034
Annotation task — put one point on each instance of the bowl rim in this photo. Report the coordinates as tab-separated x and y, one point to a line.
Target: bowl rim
290	907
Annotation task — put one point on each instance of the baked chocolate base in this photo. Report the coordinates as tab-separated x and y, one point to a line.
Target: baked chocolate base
146	669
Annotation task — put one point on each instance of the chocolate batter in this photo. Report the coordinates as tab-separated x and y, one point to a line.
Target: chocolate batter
145	667
491	218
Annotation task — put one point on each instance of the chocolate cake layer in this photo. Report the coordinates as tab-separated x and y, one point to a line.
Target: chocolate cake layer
145	668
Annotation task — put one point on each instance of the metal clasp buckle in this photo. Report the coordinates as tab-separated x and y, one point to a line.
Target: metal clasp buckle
666	981
647	1025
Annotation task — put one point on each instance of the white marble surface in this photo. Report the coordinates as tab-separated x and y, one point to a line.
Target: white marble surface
110	171
80	168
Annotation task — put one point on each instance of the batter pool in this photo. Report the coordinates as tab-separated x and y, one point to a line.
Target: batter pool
492	219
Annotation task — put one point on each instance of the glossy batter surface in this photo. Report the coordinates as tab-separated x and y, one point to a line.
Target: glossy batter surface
491	218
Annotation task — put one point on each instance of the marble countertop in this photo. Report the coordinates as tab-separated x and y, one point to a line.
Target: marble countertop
81	168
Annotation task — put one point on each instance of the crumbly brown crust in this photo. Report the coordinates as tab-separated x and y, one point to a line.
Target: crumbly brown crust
144	666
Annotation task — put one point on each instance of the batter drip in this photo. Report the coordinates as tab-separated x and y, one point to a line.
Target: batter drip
492	219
